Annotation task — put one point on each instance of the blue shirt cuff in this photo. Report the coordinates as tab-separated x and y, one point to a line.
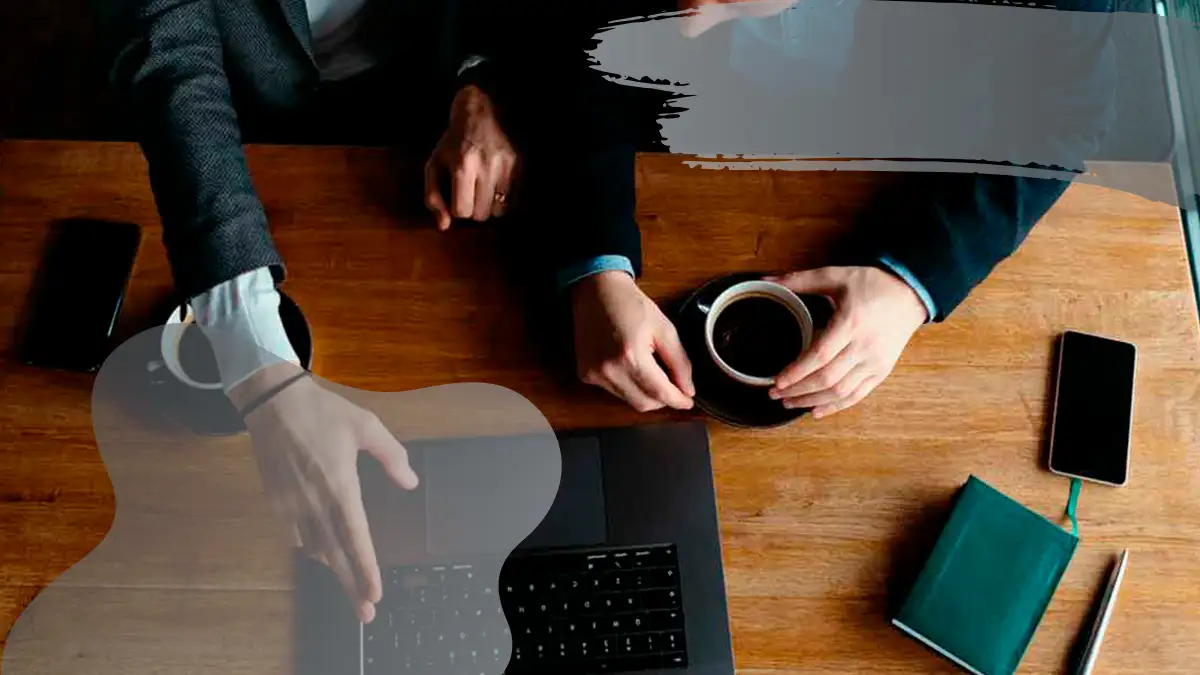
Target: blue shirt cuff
582	270
923	293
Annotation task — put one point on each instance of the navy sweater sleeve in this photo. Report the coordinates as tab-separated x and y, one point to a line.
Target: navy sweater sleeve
952	229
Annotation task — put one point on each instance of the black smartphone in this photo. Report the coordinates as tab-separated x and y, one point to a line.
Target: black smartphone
78	292
1093	408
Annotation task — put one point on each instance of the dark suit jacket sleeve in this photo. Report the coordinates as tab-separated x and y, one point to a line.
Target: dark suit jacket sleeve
169	68
950	230
577	133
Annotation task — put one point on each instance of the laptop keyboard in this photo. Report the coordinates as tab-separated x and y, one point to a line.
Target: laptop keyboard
590	611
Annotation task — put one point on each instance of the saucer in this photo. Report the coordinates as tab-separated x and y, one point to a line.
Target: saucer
717	394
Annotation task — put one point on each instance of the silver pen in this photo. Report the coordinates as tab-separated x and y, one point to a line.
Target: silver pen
1107	602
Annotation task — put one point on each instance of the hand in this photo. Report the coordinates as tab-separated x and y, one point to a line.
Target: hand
711	13
875	315
306	442
479	159
618	331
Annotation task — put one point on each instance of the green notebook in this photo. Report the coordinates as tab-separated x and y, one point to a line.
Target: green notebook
988	581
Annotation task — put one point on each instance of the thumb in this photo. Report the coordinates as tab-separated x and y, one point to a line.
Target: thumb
388	451
433	197
821	281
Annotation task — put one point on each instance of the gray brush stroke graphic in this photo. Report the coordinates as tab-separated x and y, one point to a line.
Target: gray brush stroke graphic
886	85
198	555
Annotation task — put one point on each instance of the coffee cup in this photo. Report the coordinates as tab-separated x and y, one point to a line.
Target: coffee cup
754	329
186	353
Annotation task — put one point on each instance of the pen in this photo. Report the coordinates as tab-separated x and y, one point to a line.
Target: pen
1107	602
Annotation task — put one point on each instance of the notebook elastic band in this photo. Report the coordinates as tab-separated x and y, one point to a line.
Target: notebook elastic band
1072	502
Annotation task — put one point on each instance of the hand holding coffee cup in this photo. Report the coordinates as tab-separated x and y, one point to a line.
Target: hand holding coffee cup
876	313
620	335
755	329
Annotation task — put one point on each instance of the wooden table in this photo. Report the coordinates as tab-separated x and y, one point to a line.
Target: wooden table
820	521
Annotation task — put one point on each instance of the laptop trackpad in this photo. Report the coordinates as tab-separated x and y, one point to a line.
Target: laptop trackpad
577	517
453	522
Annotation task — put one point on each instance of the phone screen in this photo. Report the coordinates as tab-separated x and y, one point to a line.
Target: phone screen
78	293
1093	408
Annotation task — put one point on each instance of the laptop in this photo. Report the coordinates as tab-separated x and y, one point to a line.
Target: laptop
622	573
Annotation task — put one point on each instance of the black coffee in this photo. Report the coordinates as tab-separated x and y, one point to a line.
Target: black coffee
757	336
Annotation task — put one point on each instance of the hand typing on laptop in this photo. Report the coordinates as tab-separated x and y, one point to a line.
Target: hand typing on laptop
306	442
306	439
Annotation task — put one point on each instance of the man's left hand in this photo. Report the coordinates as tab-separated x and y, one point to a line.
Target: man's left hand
478	158
875	315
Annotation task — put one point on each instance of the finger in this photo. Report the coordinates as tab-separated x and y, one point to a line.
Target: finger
464	179
333	554
506	173
505	170
821	281
675	357
823	378
607	386
833	393
323	516
287	515
377	440
822	351
354	536
634	395
293	534
485	196
862	391
434	200
654	382
311	540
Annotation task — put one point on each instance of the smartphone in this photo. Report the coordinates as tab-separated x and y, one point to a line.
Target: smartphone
1093	408
78	293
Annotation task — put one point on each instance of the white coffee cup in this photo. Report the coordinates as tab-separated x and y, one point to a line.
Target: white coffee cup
748	289
172	336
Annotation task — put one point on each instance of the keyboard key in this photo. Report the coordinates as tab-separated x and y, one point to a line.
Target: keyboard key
628	602
422	617
642	557
676	660
673	641
660	599
660	578
664	620
461	574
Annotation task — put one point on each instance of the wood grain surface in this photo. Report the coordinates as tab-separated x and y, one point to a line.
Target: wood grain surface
822	523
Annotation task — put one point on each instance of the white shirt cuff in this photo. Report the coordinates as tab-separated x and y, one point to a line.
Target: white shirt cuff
241	319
